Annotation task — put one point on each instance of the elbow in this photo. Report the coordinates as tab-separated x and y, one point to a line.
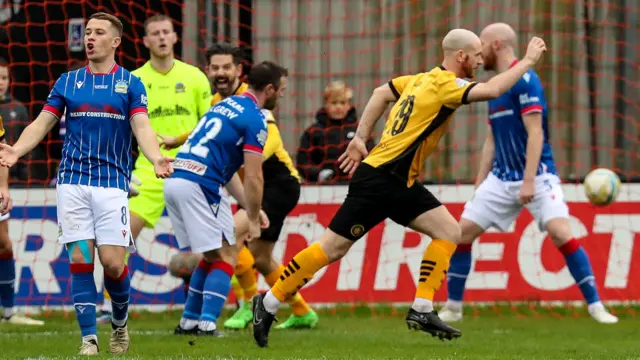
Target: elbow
383	94
494	93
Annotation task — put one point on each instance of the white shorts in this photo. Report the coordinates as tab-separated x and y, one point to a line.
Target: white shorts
497	203
196	222
91	212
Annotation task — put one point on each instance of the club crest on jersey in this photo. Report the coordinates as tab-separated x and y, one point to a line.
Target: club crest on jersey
121	87
180	88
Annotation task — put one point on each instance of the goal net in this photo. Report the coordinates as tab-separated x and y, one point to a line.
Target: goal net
591	79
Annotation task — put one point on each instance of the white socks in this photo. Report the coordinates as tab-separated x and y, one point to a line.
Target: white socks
422	305
271	303
207	325
454	305
188	324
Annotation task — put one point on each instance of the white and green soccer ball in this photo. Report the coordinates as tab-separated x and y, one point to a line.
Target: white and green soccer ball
602	186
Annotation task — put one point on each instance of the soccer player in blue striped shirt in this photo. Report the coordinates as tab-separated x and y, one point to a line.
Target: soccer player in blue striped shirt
104	105
517	170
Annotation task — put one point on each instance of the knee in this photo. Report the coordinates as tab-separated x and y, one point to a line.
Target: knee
559	231
5	244
263	262
113	267
334	245
452	232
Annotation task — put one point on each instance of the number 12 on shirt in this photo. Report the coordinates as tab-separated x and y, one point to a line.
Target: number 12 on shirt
212	127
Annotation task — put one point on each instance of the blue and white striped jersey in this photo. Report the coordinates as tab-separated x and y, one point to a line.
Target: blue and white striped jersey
98	109
215	149
509	132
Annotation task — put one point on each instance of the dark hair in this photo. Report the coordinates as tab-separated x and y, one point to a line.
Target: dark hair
4	62
265	73
110	18
236	52
156	18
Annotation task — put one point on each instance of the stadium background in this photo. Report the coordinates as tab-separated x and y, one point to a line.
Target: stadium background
591	77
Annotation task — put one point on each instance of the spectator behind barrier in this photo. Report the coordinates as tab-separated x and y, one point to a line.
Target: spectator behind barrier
15	118
326	139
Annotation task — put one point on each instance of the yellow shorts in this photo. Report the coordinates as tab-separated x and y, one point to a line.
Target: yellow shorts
149	204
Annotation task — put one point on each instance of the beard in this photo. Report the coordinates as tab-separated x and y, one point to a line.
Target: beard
271	102
490	62
224	85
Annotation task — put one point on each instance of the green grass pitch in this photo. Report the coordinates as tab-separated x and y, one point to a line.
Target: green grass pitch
354	333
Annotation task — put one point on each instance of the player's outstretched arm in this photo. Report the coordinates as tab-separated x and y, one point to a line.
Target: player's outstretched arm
149	145
502	82
486	159
34	133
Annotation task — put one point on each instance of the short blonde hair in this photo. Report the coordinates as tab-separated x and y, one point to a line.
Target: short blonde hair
157	18
337	89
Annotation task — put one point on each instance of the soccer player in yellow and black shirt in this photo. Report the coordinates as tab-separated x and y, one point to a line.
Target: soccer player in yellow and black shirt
384	185
281	194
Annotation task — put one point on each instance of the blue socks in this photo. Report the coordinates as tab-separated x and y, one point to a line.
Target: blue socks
83	290
580	268
119	291
210	283
459	268
216	288
7	283
193	304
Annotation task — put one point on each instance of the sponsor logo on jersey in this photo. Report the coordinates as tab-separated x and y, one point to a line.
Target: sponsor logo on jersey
193	166
180	88
101	87
121	87
143	99
176	110
525	99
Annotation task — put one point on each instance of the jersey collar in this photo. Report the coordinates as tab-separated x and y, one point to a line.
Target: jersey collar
250	96
513	63
113	70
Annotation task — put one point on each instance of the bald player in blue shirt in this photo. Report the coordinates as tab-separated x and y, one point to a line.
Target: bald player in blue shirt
517	170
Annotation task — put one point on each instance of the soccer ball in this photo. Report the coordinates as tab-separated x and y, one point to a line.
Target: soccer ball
601	186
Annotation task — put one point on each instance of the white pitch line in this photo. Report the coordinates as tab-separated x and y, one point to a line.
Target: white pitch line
77	332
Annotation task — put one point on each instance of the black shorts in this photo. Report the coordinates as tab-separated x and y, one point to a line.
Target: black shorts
375	195
279	198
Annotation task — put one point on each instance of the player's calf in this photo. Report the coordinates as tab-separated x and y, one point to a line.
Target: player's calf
117	283
84	293
459	269
7	277
580	268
